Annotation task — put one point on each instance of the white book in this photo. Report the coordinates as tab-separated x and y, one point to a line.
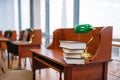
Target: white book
25	35
73	44
74	61
21	42
76	55
73	50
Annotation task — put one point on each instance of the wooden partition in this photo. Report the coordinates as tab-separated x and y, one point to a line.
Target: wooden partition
13	36
100	46
0	33
37	36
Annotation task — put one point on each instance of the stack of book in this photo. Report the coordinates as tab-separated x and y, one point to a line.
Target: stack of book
72	51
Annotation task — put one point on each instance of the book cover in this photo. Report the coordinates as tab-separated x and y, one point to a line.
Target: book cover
76	55
73	44
66	50
74	61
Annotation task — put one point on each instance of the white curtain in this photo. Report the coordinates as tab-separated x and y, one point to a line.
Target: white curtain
63	14
7	15
101	13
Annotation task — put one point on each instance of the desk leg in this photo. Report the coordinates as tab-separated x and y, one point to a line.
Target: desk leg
8	60
60	75
33	68
105	70
19	63
34	78
68	73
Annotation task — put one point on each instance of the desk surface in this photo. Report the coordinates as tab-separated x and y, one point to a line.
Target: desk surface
55	55
51	54
53	58
3	38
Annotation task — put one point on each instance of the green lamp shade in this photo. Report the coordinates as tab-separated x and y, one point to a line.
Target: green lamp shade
9	30
29	29
83	28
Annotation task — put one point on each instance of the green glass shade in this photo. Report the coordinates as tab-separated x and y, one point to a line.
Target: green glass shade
9	30
29	29
83	28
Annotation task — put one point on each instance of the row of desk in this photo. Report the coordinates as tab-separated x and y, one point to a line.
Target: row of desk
95	68
21	48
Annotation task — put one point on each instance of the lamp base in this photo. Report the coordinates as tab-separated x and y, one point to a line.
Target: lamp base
86	54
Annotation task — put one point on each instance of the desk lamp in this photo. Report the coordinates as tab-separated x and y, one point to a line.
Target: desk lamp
82	29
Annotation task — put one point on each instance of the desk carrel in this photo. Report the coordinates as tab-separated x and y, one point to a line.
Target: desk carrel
95	68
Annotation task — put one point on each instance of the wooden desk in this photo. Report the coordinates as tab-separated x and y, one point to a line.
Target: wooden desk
95	68
21	48
44	58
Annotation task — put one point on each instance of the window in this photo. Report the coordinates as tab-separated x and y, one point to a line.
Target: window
42	15
101	13
16	15
55	15
61	14
25	14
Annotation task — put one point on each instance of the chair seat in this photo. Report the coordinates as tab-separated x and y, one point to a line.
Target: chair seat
17	75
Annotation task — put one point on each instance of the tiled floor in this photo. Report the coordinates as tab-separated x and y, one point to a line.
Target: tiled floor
114	66
114	70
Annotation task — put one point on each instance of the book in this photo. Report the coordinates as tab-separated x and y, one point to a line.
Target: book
74	61
21	42
73	50
70	55
25	35
73	44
